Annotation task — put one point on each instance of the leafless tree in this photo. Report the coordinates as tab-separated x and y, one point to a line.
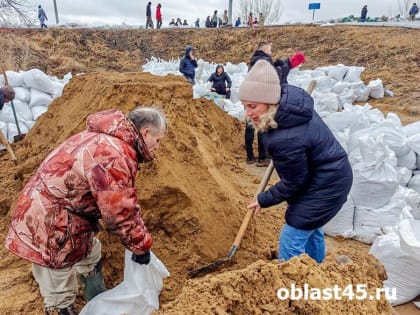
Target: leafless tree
270	9
404	6
15	12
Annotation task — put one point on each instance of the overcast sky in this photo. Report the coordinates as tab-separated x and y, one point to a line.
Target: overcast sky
133	11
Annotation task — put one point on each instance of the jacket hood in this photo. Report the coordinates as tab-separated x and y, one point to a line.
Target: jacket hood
296	107
188	49
114	123
220	66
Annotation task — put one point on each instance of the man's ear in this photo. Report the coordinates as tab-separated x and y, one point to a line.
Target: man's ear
145	132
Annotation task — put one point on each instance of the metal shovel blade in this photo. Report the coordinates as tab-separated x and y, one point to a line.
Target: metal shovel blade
209	267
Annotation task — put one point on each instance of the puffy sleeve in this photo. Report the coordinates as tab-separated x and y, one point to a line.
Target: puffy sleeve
292	166
112	182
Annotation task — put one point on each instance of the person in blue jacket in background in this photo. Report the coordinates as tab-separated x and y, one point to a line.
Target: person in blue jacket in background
188	64
315	173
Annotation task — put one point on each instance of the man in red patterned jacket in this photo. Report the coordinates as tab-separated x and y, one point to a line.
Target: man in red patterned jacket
89	176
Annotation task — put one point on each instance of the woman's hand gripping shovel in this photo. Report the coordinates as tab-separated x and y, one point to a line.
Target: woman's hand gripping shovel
235	246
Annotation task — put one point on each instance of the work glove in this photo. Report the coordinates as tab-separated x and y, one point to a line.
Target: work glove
142	259
297	59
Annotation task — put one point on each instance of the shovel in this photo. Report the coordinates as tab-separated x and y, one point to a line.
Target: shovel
19	136
235	246
7	145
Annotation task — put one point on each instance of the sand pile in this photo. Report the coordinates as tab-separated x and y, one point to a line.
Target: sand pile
193	195
252	290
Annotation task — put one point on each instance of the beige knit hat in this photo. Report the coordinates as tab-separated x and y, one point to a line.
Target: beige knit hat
261	84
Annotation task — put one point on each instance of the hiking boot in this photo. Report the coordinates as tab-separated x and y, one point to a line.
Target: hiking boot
93	283
263	163
250	160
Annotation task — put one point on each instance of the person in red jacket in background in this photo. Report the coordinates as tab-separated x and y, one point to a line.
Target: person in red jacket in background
158	16
90	176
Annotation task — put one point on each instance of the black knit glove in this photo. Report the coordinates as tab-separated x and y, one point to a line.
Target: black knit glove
142	259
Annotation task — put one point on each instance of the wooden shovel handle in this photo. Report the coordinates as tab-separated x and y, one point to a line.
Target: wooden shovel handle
250	212
8	147
6	82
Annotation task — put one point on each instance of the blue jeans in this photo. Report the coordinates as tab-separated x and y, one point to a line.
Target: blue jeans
294	242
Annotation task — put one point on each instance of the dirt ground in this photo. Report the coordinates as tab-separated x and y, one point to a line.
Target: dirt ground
195	194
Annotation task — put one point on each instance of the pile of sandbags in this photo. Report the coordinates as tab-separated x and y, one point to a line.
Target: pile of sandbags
336	85
34	92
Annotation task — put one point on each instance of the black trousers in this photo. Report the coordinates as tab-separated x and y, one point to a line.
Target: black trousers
224	92
249	140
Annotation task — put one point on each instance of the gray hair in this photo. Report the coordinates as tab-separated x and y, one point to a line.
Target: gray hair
8	92
152	117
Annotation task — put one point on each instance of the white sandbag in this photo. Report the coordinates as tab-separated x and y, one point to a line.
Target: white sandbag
402	269
326	103
67	77
394	136
23	110
317	73
364	96
409	232
29	124
371	223
413	142
12	131
37	111
22	94
404	175
58	89
37	79
6	114
412	129
353	74
39	98
201	89
324	84
138	294
339	87
346	97
375	175
376	88
15	78
342	223
408	160
414	183
412	200
337	72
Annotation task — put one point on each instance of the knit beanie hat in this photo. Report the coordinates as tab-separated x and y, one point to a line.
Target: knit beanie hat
261	84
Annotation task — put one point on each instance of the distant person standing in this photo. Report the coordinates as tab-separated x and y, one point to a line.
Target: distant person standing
261	19
42	17
363	14
188	64
149	22
214	19
158	17
208	22
197	23
225	18
250	19
413	11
